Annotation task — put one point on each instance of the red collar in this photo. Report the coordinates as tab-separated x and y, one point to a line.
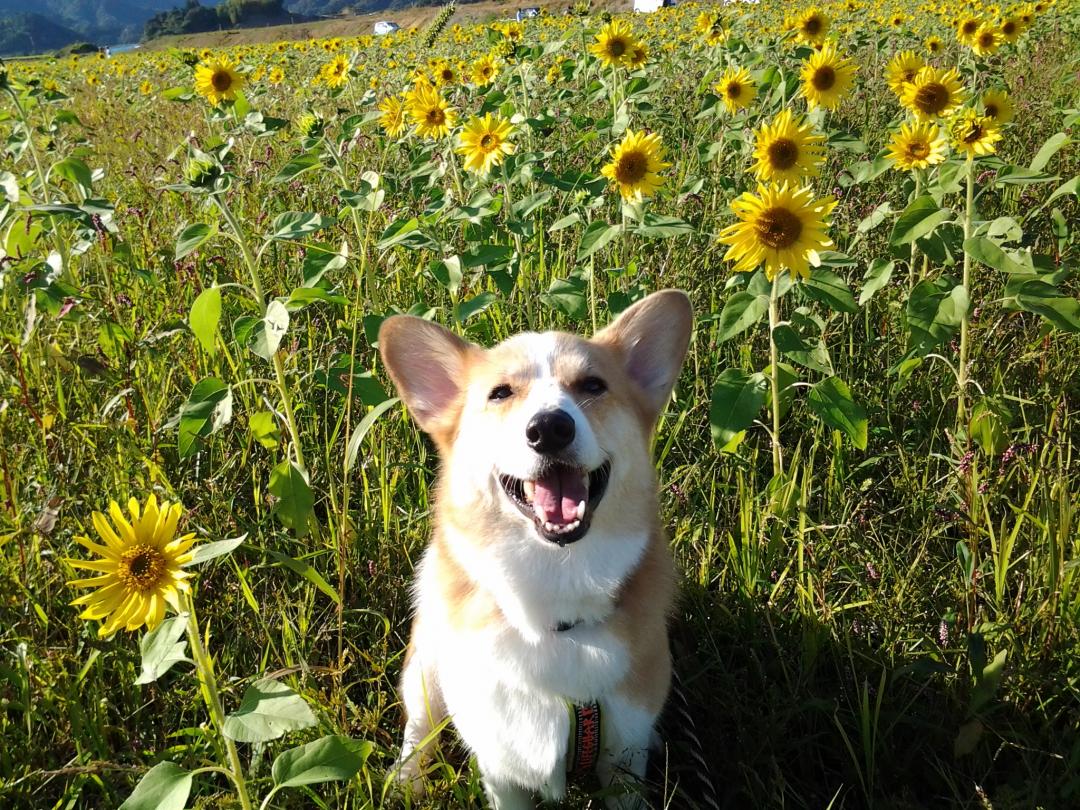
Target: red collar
584	744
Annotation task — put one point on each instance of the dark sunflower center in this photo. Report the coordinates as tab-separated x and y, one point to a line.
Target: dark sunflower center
824	78
616	47
932	98
487	141
909	74
1008	28
448	75
969	27
986	39
974	133
733	90
778	228
918	150
992	111
436	116
631	168
812	26
783	153
221	80
141	567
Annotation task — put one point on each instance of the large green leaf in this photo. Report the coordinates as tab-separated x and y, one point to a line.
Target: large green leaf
567	295
934	314
75	172
737	399
831	401
1048	150
166	786
809	351
918	219
324	760
1046	300
161	648
295	498
296	167
190	238
983	250
204	317
208	408
268	710
826	287
266	334
877	276
597	235
742	310
294	224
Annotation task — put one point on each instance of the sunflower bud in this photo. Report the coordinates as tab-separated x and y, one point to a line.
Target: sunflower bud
201	173
311	125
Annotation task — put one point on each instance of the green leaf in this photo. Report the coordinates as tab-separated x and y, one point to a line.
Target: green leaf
567	295
1049	149
267	332
306	571
362	429
877	276
268	710
737	399
320	259
1046	300
264	429
597	235
983	250
296	167
75	172
742	310
324	760
987	681
219	548
302	296
564	222
204	317
190	238
207	410
933	316
161	648
474	306
918	219
295	499
810	353
1068	187
448	273
654	226
831	401
166	786
294	224
826	287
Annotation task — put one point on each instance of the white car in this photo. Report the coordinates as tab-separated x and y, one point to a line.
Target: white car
384	27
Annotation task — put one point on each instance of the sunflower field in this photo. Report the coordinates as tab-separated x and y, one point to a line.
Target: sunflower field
212	503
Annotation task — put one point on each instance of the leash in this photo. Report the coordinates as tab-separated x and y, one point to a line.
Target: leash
584	744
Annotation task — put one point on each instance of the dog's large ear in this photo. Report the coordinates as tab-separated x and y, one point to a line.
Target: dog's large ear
652	337
427	364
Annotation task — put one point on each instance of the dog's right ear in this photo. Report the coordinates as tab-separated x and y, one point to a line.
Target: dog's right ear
427	364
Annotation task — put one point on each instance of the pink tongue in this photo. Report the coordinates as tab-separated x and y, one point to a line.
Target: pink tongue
557	495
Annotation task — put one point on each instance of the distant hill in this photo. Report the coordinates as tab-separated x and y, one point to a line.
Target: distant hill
194	18
25	33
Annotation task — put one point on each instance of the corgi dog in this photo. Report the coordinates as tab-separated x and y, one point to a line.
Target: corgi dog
548	581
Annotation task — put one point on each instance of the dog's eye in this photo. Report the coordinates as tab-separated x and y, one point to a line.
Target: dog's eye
500	392
593	386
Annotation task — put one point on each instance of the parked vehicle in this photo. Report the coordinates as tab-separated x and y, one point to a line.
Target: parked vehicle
384	27
527	13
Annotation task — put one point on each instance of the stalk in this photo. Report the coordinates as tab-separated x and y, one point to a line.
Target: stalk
914	249
961	370
774	369
279	364
204	667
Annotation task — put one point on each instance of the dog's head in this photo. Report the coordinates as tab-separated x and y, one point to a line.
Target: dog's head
535	431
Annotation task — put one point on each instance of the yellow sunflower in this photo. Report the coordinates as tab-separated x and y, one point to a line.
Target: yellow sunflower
140	570
811	26
634	165
934	45
335	73
484	70
217	80
1010	29
987	40
431	114
639	55
736	88
444	74
902	69
277	75
997	106
973	134
934	93
392	117
827	78
787	150
918	145
614	44
780	227
966	27
484	142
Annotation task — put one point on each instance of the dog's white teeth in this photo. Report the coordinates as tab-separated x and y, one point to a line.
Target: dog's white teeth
529	487
581	510
563	529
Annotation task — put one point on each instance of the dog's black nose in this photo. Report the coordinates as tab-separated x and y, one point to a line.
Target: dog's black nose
550	431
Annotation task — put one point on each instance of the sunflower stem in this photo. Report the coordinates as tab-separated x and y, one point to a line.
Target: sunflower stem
278	363
774	374
961	367
204	668
914	250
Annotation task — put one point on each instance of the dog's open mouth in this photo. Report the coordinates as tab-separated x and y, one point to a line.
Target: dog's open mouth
561	500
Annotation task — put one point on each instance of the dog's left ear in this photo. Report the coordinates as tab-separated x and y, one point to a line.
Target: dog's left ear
652	336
